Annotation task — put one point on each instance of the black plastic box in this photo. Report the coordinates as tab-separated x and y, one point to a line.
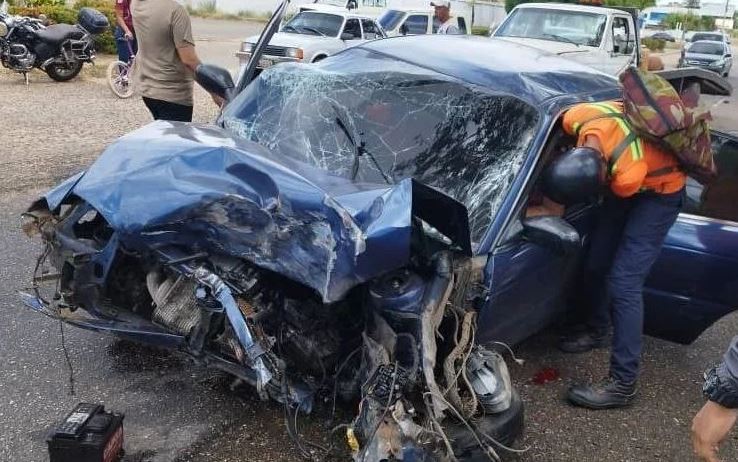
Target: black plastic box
92	20
87	434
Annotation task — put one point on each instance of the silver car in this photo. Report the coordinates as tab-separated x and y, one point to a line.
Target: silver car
313	35
712	55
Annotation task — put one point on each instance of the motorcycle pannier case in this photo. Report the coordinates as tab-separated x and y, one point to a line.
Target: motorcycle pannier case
93	21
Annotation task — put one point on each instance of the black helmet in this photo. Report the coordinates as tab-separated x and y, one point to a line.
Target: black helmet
575	176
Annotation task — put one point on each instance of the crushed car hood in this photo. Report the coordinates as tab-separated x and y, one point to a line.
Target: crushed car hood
196	186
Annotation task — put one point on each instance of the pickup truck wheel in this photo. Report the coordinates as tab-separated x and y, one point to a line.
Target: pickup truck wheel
504	427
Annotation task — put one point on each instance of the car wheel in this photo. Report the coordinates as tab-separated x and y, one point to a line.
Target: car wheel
504	427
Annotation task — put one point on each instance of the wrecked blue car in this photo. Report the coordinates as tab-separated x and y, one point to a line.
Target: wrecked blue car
358	228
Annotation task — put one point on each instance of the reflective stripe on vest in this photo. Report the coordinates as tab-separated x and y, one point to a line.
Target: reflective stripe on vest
631	139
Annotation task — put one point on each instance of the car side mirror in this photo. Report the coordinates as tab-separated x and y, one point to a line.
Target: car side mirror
729	55
403	29
215	80
553	233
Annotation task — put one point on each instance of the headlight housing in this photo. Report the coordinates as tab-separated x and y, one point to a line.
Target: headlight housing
294	53
247	47
718	63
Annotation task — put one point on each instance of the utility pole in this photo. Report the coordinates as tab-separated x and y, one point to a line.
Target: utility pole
725	21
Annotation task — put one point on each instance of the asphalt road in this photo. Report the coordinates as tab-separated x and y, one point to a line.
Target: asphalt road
177	411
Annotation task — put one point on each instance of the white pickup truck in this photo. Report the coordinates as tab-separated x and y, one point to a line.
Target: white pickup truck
603	38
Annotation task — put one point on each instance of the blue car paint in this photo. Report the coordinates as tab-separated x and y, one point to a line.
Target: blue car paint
695	280
550	83
227	195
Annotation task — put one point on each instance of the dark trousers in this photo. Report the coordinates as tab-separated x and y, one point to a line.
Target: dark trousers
625	244
164	110
125	47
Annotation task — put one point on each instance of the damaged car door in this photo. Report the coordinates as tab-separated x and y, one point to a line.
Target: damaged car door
695	279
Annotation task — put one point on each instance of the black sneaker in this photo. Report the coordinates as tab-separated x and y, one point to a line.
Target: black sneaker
609	394
585	341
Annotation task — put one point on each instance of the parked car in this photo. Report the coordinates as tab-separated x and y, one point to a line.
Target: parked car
711	55
665	36
604	38
347	226
415	21
709	36
313	35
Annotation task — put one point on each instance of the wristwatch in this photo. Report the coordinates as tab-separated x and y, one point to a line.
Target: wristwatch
719	387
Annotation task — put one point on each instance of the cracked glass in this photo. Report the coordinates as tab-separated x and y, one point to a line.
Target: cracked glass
373	119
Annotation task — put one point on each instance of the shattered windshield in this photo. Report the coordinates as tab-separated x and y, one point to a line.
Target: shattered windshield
407	121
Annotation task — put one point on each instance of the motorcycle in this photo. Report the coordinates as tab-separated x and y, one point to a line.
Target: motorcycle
59	50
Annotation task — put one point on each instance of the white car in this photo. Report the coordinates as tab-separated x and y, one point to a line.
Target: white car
603	38
415	21
311	36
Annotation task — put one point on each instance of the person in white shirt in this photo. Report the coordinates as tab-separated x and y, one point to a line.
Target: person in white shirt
443	16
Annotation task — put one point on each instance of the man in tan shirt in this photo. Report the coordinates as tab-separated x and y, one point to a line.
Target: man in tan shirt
166	58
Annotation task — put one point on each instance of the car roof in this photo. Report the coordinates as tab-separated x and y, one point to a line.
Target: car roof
534	75
572	7
718	42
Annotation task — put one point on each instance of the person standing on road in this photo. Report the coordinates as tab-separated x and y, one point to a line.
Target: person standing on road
166	59
647	194
442	14
717	417
125	39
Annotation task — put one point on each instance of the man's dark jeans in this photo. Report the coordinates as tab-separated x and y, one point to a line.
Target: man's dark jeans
625	244
164	110
124	52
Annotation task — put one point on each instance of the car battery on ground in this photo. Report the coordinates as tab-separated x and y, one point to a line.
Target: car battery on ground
87	434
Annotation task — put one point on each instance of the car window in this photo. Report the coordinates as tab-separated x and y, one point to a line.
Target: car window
390	19
622	39
416	24
370	29
575	27
352	27
314	23
707	48
714	37
718	199
462	25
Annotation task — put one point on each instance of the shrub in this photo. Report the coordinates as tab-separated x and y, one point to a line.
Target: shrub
654	44
480	30
57	14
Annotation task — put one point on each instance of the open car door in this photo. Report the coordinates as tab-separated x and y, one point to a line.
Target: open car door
249	72
694	282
